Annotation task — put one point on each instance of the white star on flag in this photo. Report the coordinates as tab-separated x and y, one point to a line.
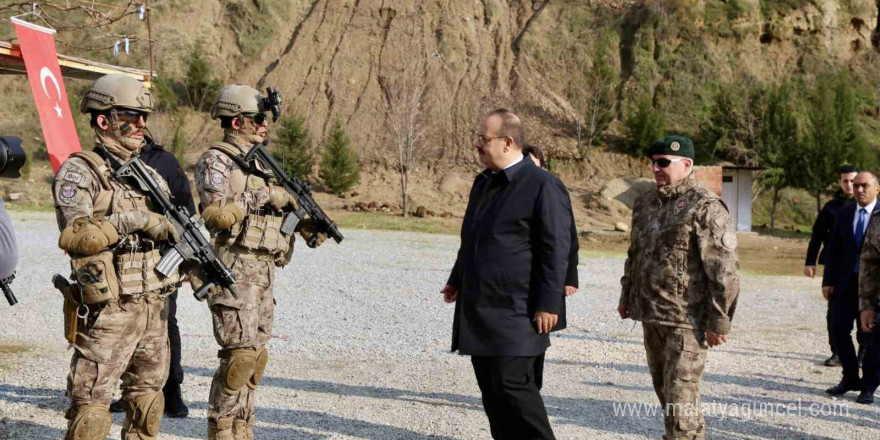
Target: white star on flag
58	110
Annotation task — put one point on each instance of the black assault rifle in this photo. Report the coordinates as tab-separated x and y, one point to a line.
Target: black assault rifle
4	285
301	191
192	246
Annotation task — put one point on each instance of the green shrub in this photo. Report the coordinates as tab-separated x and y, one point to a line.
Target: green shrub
168	93
644	127
340	170
201	86
293	147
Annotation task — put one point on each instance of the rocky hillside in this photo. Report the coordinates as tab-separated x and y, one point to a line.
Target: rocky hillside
353	59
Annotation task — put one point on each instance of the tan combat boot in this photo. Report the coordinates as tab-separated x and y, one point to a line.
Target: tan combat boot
220	429
244	429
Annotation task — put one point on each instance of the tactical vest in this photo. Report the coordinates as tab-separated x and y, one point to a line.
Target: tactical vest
135	267
261	230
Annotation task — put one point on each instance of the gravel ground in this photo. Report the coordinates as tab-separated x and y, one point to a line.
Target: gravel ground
361	351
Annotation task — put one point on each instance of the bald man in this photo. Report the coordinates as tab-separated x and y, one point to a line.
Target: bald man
840	284
509	276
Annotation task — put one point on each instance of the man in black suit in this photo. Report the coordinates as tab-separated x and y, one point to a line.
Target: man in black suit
508	279
840	283
818	247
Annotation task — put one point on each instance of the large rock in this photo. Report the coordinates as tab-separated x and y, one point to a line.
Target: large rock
626	191
452	183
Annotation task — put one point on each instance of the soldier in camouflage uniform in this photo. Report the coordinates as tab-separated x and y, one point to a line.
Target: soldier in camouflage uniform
244	213
869	307
681	281
113	236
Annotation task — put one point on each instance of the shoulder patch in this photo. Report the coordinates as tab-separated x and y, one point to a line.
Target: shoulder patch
74	176
217	178
729	240
68	191
680	205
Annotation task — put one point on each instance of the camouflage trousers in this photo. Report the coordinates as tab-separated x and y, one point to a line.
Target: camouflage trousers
128	340
676	358
243	323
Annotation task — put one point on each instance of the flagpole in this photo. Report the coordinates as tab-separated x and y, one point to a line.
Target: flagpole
28	24
149	38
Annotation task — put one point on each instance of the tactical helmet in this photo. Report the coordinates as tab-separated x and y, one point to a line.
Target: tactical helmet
236	99
117	90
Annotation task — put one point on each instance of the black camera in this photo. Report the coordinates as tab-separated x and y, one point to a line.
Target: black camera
272	102
12	157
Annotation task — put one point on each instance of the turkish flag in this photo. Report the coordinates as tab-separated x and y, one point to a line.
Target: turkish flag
41	60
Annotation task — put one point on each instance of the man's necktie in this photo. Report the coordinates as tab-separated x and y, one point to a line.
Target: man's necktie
860	232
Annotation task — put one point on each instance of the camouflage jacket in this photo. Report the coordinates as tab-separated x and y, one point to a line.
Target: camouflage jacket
219	177
869	273
78	193
214	179
682	268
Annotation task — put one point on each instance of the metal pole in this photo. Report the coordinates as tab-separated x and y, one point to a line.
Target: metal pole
149	37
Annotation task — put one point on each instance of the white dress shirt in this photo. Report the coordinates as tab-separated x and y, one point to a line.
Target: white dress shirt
870	209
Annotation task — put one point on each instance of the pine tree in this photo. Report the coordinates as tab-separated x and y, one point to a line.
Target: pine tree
201	86
293	147
599	102
340	170
835	136
644	127
779	145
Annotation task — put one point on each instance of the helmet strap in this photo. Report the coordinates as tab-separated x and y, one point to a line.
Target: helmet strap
127	143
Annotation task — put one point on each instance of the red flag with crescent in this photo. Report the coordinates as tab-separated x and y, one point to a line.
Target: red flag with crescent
37	45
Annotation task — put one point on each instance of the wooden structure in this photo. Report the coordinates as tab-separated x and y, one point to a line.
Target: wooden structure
11	63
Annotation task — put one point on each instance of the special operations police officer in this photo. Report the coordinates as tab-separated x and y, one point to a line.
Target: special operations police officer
681	280
244	211
113	236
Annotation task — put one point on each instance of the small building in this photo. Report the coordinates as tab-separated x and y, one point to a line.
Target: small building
734	185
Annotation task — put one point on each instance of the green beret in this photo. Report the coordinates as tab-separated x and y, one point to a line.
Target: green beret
673	146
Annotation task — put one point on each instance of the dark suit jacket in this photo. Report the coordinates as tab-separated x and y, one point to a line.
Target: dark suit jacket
513	261
169	168
842	252
822	228
571	279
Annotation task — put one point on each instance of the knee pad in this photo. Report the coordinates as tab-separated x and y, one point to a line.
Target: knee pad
238	370
143	415
91	422
262	359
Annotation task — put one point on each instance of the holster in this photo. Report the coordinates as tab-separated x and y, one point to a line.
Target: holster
96	277
70	293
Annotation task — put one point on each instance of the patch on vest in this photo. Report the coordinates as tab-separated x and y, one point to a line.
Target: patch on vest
73	176
68	192
680	206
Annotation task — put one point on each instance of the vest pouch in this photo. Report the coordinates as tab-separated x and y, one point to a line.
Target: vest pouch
96	277
137	272
263	233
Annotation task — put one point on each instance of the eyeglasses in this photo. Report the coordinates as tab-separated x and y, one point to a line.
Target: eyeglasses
861	185
133	115
664	162
481	139
258	118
